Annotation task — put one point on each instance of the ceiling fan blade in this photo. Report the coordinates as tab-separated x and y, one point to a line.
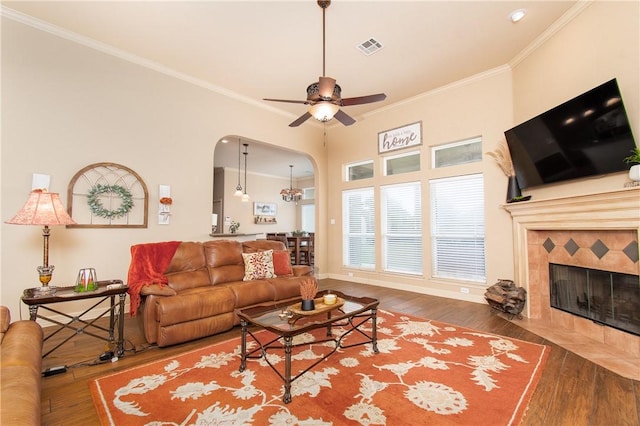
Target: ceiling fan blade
286	100
326	86
304	117
344	118
364	99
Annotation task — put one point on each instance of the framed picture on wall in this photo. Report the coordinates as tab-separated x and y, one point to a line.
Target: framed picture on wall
400	137
265	209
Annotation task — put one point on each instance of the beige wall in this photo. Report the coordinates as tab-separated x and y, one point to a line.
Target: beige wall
65	106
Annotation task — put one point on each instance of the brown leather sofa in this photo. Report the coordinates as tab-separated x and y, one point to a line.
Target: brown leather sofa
20	370
205	285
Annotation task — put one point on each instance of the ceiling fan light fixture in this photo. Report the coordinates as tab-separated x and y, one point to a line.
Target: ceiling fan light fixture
323	111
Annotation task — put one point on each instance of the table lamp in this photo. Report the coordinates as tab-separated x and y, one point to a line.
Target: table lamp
43	208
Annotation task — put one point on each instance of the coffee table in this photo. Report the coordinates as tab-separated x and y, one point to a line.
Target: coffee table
286	320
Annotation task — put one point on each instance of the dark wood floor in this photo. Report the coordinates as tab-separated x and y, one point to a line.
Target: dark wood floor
572	390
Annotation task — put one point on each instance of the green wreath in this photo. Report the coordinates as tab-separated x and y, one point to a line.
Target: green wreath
96	207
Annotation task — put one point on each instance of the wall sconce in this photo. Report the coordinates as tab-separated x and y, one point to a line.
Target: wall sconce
165	202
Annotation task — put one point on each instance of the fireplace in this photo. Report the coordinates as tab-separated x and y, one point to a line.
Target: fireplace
596	231
607	298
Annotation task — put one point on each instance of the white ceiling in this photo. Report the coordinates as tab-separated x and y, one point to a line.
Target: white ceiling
273	49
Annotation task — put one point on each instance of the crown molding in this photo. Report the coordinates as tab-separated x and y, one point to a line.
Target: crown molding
558	25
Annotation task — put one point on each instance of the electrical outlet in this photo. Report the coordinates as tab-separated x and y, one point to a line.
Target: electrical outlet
464	290
350	274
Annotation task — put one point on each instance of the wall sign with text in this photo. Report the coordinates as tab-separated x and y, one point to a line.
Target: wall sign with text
400	137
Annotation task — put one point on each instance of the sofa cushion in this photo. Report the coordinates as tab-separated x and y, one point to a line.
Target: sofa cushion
258	266
224	260
189	256
194	304
262	245
282	263
286	287
248	293
223	253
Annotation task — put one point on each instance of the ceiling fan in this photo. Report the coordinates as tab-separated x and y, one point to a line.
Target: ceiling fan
324	96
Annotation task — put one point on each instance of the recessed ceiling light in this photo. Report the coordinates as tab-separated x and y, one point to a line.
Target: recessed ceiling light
517	15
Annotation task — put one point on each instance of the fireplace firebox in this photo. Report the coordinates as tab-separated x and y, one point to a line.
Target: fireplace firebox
607	298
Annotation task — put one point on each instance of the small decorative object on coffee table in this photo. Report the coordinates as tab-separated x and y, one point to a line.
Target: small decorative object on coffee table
329	298
308	290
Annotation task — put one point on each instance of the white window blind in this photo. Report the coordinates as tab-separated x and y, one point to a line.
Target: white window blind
358	217
401	208
457	228
308	217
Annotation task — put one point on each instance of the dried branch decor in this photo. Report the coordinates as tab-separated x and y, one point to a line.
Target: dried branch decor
308	288
503	158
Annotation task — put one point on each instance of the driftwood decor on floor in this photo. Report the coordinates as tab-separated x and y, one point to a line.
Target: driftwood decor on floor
505	297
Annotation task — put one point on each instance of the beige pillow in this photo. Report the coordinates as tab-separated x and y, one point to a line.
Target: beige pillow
258	266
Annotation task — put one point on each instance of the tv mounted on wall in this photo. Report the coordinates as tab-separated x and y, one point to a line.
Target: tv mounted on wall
586	136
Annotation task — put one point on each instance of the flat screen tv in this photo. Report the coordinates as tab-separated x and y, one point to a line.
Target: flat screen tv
586	136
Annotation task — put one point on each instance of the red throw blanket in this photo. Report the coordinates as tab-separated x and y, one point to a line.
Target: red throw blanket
148	263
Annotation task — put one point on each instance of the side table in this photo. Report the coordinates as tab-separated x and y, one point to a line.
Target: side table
106	290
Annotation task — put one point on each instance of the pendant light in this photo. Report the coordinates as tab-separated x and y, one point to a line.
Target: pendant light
245	196
238	192
291	193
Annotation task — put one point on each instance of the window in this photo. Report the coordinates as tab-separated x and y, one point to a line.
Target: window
402	163
361	170
457	228
308	193
402	228
451	154
358	217
308	217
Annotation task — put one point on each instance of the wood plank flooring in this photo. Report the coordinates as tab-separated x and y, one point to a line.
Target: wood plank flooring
572	390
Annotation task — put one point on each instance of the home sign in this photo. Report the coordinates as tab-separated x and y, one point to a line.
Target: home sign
400	137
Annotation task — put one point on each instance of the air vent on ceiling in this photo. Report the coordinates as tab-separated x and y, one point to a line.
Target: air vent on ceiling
370	46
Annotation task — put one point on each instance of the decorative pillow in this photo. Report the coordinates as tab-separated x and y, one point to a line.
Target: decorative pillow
282	262
258	265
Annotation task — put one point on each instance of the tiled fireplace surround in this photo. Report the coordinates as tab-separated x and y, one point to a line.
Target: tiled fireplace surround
598	231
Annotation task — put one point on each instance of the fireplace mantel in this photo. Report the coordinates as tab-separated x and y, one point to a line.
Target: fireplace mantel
608	210
613	210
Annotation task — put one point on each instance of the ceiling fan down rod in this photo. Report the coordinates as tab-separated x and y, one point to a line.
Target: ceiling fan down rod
324	4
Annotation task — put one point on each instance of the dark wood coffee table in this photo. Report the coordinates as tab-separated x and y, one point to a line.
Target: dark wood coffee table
285	320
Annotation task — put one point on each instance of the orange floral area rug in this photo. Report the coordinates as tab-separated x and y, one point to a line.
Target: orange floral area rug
426	372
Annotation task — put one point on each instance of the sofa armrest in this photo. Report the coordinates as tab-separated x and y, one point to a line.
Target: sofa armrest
301	270
157	290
